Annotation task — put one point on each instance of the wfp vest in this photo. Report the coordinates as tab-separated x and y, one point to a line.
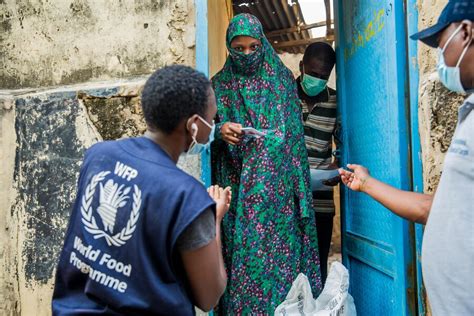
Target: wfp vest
118	257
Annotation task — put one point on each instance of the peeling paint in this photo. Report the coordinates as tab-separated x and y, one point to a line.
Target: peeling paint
45	176
116	117
49	43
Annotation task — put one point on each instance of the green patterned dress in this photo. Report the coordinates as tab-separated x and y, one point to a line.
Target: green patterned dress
269	233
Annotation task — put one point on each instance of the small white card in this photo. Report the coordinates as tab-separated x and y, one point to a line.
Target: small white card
252	131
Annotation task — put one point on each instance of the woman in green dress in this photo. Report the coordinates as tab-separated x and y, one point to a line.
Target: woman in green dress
269	233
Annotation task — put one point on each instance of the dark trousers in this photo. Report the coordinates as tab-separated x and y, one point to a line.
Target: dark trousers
324	224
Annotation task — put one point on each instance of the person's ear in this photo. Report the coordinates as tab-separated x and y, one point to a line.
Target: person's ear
301	66
466	32
191	125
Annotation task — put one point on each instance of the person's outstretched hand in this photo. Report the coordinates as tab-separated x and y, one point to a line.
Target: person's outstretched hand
231	133
355	180
222	197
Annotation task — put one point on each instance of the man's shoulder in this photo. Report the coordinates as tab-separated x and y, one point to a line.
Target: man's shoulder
108	145
132	153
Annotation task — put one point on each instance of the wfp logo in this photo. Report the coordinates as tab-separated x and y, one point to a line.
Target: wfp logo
112	200
112	197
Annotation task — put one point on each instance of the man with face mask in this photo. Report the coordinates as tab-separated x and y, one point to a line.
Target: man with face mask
198	148
448	243
319	108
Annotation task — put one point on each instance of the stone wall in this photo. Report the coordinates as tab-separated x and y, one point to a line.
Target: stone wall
46	123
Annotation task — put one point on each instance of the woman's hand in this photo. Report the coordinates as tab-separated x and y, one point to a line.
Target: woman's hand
222	197
355	180
231	133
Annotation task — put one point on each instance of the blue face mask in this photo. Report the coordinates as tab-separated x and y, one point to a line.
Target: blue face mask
450	77
197	148
312	86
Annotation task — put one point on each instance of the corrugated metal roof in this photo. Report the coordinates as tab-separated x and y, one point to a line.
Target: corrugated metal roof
277	15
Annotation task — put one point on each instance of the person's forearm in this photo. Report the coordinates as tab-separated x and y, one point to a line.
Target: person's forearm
409	205
219	250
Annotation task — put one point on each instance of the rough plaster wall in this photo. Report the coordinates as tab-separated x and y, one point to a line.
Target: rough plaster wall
120	115
45	43
438	115
428	13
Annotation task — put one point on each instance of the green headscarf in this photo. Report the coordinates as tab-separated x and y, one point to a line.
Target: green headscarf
269	233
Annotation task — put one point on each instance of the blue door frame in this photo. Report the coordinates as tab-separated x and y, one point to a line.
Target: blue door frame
378	97
413	177
416	156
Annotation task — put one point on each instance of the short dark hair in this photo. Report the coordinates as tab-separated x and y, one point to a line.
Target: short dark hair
322	51
174	93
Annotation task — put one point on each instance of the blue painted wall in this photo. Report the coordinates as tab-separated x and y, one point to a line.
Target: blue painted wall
202	64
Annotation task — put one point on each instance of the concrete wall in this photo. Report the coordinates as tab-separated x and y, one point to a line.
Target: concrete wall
46	124
45	43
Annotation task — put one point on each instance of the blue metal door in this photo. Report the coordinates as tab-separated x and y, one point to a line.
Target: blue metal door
373	96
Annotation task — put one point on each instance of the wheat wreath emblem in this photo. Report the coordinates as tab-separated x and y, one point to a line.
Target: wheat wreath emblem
90	223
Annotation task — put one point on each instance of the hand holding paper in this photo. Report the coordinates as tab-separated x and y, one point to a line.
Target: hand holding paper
252	131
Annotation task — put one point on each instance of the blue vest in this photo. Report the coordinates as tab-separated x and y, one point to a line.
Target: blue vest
118	257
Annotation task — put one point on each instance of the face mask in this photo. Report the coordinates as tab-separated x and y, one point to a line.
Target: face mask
247	64
196	148
312	86
450	77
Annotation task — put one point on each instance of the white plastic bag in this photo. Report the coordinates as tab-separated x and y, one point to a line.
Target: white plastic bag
333	300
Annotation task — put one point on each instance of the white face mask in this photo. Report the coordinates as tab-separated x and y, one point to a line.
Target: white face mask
196	148
450	77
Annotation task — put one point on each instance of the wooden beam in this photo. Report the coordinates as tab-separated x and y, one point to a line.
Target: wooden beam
295	29
303	42
327	4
